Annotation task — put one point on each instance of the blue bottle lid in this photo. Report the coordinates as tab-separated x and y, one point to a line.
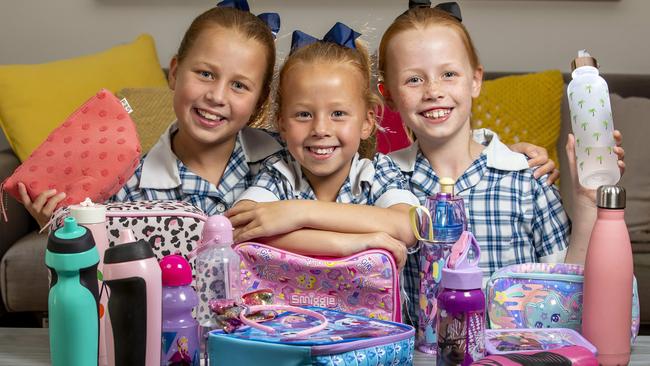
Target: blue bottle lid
448	214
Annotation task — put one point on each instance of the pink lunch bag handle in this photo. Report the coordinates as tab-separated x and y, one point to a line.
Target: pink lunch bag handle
295	309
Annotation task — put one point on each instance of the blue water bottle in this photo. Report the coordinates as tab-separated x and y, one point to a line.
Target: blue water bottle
438	226
73	301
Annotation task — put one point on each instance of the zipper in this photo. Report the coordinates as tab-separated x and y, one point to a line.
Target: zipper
539	276
134	213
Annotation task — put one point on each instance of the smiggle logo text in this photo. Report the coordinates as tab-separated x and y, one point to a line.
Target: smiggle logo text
313	300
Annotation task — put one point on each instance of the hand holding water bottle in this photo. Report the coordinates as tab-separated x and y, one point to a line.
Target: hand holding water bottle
592	124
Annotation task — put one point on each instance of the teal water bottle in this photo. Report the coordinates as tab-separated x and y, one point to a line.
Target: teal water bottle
73	300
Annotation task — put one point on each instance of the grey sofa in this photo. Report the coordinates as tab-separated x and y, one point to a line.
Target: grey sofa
23	276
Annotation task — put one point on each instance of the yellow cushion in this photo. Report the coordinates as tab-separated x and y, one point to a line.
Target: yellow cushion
522	108
153	111
35	99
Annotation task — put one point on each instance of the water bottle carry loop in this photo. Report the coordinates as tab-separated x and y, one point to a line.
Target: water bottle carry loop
414	218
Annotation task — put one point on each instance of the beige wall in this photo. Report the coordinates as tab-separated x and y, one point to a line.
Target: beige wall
510	35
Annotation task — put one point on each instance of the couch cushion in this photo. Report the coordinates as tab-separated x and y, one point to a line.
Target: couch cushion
34	99
23	275
631	118
522	108
153	111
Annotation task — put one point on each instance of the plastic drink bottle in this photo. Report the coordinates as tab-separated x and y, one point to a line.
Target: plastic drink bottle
461	306
217	269
73	298
133	317
93	217
445	223
592	124
216	266
180	332
607	296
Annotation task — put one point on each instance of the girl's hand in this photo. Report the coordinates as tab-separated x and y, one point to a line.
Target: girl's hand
585	196
538	158
43	206
379	240
263	219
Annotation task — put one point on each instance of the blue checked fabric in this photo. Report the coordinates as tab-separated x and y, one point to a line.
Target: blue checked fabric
514	217
386	177
193	189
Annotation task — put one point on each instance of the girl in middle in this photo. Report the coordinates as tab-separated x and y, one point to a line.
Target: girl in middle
326	108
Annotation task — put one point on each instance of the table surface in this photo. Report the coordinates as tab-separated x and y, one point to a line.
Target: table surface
30	347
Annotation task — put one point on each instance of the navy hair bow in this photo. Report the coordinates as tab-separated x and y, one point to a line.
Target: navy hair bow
450	7
340	34
271	19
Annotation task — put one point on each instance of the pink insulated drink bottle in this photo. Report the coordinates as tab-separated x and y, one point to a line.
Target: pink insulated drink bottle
133	319
607	301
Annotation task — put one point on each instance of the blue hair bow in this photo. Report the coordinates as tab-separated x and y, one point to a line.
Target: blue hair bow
452	7
272	20
340	34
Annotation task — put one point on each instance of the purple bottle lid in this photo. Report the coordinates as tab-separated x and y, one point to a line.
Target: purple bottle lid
461	272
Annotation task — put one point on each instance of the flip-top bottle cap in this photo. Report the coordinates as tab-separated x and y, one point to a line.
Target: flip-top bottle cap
88	212
217	230
461	272
612	197
175	271
583	59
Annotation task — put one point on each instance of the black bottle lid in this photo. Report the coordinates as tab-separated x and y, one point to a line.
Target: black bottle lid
128	252
71	238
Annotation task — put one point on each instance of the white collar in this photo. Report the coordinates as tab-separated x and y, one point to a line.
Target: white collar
498	155
361	170
160	165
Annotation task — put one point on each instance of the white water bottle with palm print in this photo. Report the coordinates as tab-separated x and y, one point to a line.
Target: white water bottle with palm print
592	124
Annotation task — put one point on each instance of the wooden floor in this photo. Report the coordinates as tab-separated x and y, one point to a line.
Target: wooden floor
30	347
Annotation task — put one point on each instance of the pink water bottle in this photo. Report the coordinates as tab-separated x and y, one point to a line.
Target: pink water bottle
93	217
133	319
607	298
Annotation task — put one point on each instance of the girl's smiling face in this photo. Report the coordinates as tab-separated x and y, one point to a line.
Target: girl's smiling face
217	85
430	81
323	117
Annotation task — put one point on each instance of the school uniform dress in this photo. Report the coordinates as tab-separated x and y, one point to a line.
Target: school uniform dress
162	176
515	217
376	182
